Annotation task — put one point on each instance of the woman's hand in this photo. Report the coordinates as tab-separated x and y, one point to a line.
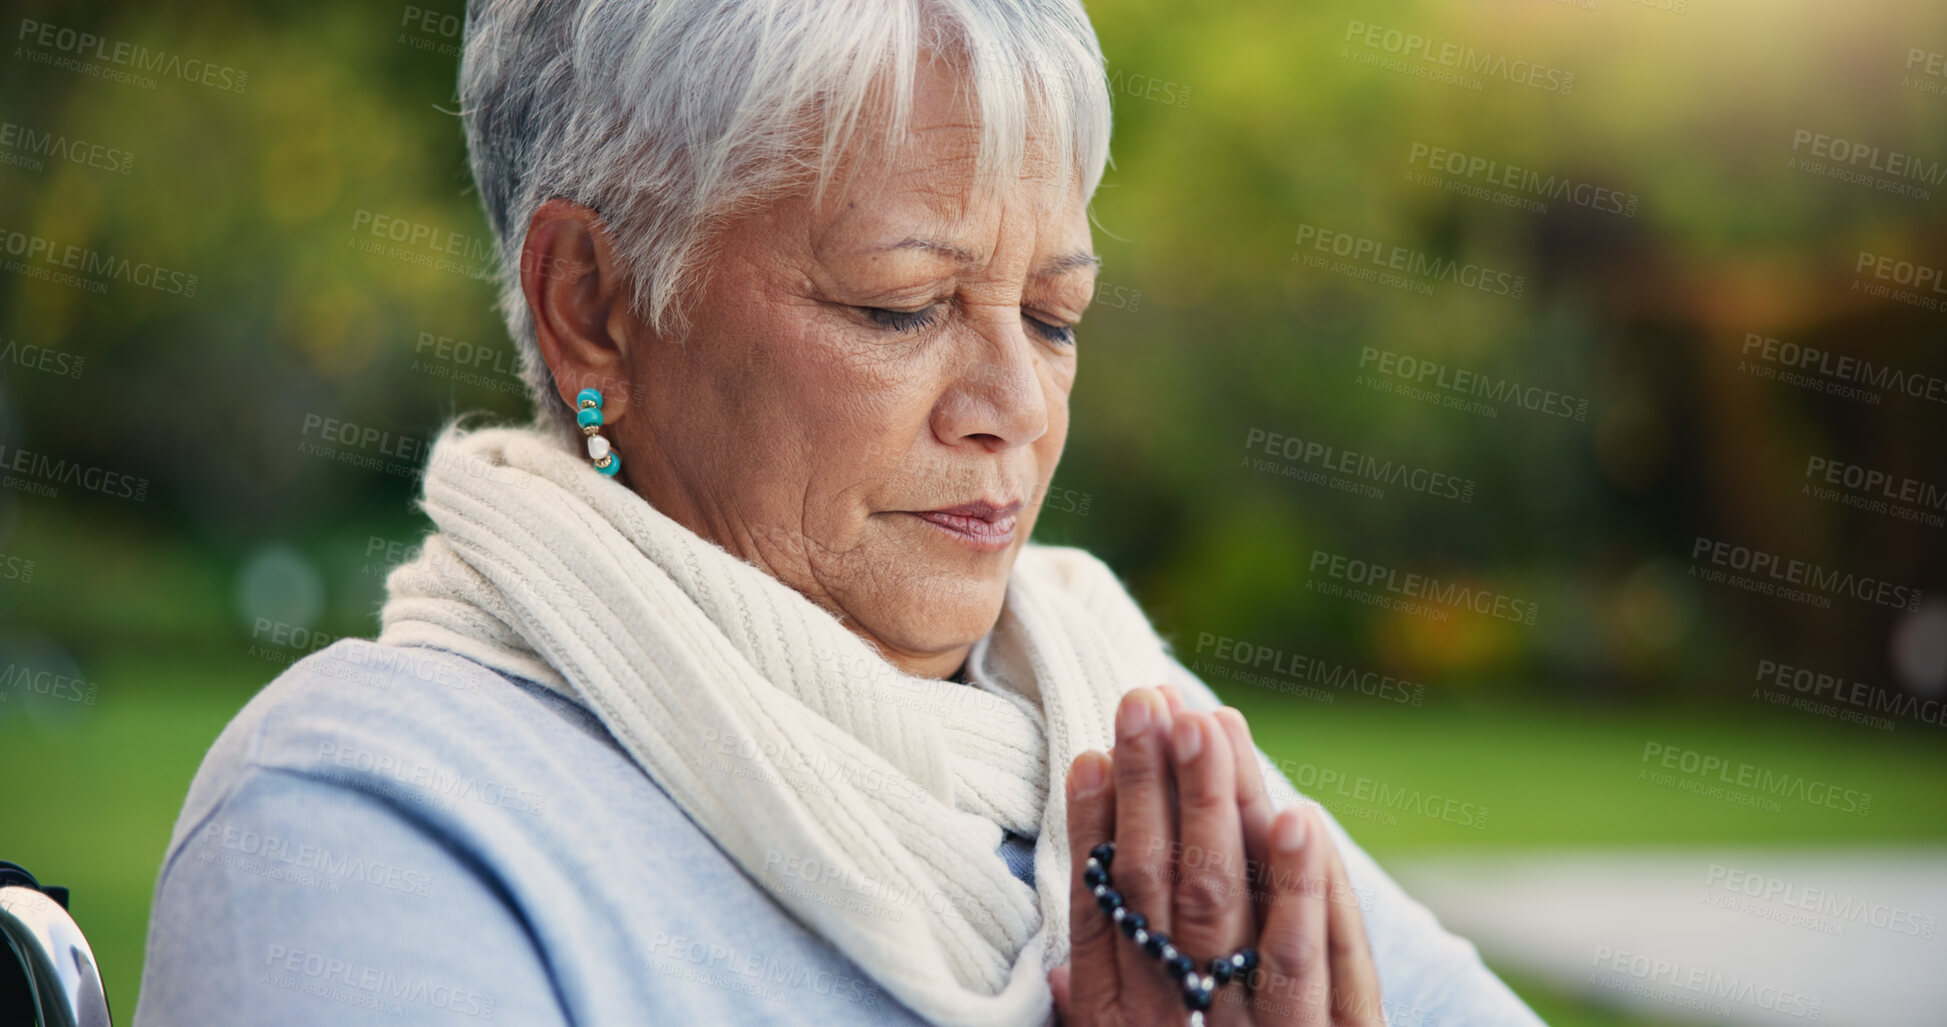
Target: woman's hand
1200	854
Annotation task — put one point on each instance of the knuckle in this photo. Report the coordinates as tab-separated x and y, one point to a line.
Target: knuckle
1087	926
1290	997
1292	954
1137	769
1205	793
1292	881
1145	877
1203	897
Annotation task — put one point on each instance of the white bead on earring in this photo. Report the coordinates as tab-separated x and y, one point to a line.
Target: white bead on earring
589	417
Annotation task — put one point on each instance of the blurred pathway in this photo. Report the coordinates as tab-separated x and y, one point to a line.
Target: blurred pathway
1741	936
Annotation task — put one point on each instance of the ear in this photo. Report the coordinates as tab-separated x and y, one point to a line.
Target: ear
579	299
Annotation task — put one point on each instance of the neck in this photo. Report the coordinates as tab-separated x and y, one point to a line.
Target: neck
944	665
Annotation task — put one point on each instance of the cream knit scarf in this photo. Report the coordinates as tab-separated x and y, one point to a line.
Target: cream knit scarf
870	803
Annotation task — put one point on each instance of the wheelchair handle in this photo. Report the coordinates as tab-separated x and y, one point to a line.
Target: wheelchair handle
59	965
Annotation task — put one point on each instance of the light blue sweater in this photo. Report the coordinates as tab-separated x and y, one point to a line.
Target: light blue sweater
399	835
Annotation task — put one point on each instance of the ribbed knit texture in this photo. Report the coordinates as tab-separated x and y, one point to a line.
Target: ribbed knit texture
868	801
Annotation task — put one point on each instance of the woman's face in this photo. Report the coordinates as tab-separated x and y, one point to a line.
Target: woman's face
903	347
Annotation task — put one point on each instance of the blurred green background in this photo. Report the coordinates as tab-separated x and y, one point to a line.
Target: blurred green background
1244	131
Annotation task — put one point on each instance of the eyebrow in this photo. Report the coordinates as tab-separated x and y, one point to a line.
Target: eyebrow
1058	266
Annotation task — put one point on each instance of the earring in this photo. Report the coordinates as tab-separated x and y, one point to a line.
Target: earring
590	419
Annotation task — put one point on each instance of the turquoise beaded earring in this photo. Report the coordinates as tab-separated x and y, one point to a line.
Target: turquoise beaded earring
589	417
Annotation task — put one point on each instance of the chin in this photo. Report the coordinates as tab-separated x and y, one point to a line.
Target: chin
941	612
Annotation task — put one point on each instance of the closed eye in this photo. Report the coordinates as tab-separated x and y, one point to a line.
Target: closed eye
1061	334
926	317
902	320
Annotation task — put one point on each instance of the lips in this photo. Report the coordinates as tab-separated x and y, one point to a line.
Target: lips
983	524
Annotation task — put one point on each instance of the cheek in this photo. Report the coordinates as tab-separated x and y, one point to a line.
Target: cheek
782	379
1059	383
863	402
861	409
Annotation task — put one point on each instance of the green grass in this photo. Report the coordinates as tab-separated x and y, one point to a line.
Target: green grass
107	790
1550	778
109	785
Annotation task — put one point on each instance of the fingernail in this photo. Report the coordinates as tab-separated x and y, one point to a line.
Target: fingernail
1187	737
1086	778
1133	718
1288	835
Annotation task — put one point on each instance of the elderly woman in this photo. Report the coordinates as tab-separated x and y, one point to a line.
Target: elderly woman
731	690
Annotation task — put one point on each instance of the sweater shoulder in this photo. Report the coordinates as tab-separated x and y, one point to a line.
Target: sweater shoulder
405	722
405	696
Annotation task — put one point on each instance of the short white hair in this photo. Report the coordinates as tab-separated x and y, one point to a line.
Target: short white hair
667	117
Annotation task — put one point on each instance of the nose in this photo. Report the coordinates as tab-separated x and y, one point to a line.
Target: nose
995	397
